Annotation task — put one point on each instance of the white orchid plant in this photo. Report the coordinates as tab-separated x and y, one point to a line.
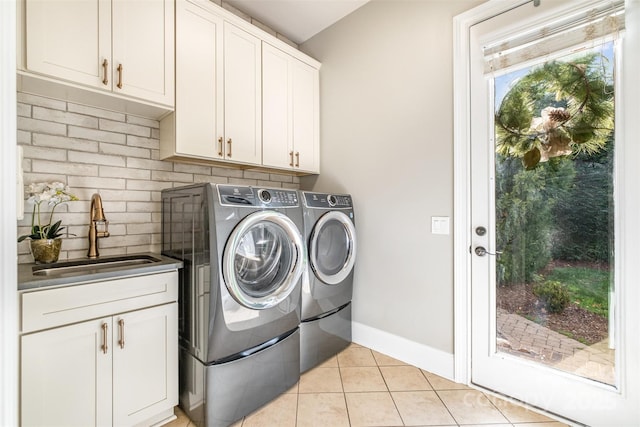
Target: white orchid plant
53	193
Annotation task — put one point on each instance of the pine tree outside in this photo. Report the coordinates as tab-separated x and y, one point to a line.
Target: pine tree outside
554	204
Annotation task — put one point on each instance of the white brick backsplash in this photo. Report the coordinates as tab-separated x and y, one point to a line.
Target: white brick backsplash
95	182
149	164
30	177
97	135
138	141
171	176
256	175
41	101
34	125
23	137
189	168
46	153
125	128
208	178
119	161
115	172
123	150
64	142
143	207
280	178
64	167
143	122
269	184
24	110
96	159
231	173
96	112
64	117
126	196
133	184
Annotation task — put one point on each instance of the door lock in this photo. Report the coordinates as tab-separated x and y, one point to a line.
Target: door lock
481	231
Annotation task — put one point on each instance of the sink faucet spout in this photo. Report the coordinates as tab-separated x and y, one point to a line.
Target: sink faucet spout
96	214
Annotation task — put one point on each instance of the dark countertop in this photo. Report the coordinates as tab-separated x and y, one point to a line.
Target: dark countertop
27	280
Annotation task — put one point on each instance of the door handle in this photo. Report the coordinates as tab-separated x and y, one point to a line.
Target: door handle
121	327
481	251
105	346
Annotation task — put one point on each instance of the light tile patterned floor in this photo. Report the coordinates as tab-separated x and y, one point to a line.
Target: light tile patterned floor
361	387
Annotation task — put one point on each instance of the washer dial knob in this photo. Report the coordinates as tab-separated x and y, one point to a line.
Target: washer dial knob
332	200
264	196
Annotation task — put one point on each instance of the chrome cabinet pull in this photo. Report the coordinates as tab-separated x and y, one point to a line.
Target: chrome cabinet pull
291	155
220	146
105	347
105	69
297	159
229	142
119	76
121	327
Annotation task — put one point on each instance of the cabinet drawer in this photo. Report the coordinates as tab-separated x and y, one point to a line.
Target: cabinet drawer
54	307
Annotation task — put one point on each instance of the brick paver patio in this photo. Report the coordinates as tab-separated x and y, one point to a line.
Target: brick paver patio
524	338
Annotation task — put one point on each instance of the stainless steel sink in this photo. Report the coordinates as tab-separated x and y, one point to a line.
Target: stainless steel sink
86	266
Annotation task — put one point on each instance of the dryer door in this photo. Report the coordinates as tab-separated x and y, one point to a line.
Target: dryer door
263	259
332	247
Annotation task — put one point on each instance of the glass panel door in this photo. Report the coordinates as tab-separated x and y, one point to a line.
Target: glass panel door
555	213
553	256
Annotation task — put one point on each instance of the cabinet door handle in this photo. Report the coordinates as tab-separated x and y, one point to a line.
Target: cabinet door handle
105	69
297	159
105	347
291	157
229	142
220	146
121	327
119	76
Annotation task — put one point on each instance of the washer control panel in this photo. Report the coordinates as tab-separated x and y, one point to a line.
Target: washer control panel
327	201
238	195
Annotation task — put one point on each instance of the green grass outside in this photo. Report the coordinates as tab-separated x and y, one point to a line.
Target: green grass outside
588	287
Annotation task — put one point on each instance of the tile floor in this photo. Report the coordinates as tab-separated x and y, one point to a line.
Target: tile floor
361	387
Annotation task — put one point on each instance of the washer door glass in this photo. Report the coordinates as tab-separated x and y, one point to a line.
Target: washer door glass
263	260
332	247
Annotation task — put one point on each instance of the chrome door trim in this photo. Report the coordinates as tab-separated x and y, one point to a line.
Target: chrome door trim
350	231
294	270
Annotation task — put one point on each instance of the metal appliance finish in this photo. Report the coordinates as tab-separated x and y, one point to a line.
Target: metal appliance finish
239	300
330	234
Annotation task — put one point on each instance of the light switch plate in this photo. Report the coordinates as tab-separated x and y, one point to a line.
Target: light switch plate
439	225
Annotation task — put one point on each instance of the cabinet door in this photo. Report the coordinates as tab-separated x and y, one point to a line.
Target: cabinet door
199	79
306	126
145	363
242	95
69	40
143	36
66	376
277	135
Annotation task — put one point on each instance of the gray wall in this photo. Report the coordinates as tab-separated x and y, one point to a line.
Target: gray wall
387	138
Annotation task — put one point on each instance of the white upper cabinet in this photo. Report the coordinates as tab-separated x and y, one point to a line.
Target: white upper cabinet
242	95
119	46
70	40
290	112
196	129
143	55
246	102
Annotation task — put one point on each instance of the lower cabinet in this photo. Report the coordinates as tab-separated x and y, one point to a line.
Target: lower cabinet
119	370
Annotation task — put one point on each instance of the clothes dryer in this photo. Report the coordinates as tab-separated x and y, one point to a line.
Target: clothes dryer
239	295
330	235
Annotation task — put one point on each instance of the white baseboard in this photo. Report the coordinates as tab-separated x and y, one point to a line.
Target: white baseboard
424	357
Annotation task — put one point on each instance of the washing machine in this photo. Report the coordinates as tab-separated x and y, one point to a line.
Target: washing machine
327	285
239	302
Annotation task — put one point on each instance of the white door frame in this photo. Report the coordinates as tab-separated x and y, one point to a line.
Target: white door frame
630	102
8	229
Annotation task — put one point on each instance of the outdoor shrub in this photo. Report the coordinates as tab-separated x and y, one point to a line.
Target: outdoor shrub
553	294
